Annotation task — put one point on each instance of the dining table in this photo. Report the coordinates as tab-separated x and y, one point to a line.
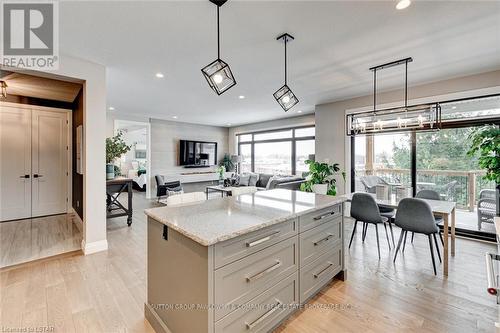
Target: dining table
444	209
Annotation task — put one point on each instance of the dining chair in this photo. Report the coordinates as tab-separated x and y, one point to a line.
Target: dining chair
415	215
364	209
431	195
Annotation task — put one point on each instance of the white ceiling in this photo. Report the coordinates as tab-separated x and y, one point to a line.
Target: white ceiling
335	44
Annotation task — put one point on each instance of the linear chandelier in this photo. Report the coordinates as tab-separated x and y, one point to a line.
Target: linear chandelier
284	95
423	117
218	74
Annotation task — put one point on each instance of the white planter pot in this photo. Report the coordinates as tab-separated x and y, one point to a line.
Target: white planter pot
320	188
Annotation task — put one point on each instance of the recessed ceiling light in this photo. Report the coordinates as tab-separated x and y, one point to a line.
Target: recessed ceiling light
453	107
228	124
160	75
111	108
175	117
241	97
300	111
402	4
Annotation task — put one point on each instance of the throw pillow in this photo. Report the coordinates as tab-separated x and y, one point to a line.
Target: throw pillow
254	178
271	182
244	179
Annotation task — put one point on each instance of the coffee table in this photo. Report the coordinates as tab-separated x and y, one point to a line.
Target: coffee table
219	188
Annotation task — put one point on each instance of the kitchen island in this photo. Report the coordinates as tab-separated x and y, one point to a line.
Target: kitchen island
241	264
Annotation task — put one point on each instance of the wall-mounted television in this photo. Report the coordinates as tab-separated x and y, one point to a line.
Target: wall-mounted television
197	154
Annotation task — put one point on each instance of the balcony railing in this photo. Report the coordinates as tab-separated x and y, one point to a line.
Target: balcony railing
463	187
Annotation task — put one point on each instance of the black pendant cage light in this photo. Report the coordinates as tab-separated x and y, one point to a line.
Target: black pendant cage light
284	95
422	117
218	74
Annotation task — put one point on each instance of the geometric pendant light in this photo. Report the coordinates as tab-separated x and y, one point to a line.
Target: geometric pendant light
284	95
218	74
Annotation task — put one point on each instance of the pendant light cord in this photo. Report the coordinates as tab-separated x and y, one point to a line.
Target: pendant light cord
285	61
218	34
374	90
406	84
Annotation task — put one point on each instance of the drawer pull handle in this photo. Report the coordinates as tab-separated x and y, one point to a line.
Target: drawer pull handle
323	240
257	321
490	273
262	240
323	270
264	272
324	216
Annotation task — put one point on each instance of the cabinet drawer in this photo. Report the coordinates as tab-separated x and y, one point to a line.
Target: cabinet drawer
265	311
317	241
239	282
319	272
237	248
316	218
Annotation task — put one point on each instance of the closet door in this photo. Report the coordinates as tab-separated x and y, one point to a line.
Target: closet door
15	163
49	162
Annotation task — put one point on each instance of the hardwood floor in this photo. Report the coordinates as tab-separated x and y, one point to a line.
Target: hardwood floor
105	292
31	239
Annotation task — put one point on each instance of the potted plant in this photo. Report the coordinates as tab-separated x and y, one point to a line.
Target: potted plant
321	178
221	170
486	141
227	162
115	147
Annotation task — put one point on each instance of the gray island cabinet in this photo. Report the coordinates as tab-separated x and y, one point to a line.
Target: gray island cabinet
241	264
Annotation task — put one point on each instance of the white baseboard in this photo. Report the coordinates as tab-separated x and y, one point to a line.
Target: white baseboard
89	248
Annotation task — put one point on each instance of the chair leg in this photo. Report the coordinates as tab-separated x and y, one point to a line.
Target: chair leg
404	242
437	246
378	244
387	236
399	244
392	234
432	254
441	236
365	226
412	235
353	232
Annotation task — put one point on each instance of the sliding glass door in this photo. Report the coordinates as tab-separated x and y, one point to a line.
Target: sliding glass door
435	161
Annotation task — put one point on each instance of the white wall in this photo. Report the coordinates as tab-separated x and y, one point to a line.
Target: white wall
165	136
330	118
267	125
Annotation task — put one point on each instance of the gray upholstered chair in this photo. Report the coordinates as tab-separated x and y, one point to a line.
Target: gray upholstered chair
415	215
486	207
364	209
370	183
430	195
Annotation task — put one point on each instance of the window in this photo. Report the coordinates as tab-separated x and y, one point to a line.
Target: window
246	157
435	160
277	152
273	158
303	149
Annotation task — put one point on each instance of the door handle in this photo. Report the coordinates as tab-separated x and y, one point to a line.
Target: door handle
24	176
37	176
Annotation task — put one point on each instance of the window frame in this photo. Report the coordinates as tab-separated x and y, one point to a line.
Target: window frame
292	139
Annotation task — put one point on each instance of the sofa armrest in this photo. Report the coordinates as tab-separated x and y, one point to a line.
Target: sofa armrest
294	185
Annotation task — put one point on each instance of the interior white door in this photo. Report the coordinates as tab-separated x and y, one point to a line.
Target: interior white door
49	162
15	163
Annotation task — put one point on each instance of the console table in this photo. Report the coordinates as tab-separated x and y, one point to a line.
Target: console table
114	188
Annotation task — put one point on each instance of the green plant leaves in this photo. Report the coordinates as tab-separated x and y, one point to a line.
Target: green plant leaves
486	142
322	173
116	147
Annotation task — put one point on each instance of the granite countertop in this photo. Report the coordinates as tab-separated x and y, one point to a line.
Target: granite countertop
217	220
